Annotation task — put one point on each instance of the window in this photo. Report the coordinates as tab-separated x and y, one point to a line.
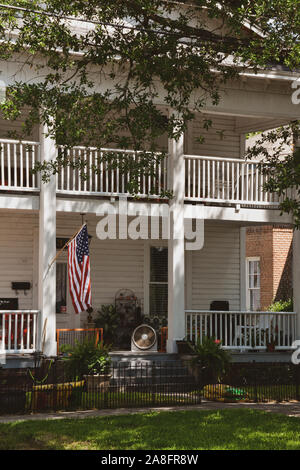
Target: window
61	287
253	284
158	286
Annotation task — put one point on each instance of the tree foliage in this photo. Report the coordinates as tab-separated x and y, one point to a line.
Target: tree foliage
281	165
127	72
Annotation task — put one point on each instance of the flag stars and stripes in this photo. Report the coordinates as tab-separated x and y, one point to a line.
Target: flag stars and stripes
79	271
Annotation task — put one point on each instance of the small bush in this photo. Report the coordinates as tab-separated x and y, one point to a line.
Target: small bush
281	306
86	358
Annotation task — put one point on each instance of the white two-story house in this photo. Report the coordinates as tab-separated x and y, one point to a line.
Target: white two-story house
198	285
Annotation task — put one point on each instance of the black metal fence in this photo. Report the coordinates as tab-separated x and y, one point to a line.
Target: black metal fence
51	387
255	382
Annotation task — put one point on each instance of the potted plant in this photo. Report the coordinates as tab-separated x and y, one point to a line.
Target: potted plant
184	346
271	346
210	361
271	336
109	320
86	359
275	337
99	373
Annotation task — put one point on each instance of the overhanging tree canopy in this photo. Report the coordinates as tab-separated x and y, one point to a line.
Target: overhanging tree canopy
102	82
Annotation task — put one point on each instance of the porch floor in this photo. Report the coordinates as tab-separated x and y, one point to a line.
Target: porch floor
278	356
19	361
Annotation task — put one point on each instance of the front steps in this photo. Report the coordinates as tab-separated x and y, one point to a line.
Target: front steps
148	370
17	361
147	356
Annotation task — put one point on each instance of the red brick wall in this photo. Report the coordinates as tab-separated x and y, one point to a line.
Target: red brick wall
282	259
273	244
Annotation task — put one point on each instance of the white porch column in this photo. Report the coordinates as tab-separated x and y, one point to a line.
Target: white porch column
296	267
296	278
243	235
47	250
176	294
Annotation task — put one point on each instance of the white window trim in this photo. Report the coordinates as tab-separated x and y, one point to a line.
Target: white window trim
148	244
250	258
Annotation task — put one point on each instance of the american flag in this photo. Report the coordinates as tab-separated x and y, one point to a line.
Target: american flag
79	271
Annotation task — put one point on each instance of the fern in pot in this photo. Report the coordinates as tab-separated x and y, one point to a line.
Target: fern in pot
89	361
99	374
209	361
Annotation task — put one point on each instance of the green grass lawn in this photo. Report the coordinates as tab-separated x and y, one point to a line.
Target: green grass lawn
178	430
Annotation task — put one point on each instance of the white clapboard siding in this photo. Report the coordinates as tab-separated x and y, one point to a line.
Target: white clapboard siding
227	146
17	255
6	126
115	264
216	268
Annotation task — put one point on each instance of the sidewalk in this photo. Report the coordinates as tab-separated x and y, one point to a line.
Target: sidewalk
288	409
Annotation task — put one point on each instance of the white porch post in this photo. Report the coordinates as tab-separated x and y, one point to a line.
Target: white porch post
296	279
296	267
176	294
47	250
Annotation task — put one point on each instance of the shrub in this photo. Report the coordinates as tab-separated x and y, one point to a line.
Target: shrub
108	319
281	306
86	358
210	357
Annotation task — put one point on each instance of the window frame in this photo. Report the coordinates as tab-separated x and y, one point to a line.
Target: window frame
248	288
147	266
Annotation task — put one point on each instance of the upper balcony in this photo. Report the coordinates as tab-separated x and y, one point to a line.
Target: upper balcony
208	180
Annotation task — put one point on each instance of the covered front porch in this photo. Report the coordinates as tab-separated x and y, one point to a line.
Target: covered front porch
213	294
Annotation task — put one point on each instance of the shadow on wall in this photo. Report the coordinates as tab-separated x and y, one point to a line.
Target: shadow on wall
285	286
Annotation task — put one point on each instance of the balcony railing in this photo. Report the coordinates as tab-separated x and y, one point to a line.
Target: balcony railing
19	331
225	180
243	330
207	179
17	160
97	176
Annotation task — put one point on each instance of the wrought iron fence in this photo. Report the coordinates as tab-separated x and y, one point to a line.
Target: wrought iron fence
51	387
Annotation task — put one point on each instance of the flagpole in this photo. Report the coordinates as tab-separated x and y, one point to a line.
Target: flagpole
62	249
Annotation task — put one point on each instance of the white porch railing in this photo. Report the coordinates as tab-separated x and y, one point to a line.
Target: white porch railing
208	179
18	331
242	330
17	159
106	180
226	180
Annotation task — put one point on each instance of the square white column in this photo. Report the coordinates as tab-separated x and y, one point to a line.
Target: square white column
47	251
296	279
176	276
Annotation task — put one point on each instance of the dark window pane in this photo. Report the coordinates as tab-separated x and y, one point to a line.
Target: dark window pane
158	300
158	264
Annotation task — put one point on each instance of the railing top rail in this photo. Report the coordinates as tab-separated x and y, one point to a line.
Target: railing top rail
12	141
238	312
223	159
79	329
104	149
11	312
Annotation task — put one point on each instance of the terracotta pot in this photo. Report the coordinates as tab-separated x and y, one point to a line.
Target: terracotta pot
183	347
271	347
